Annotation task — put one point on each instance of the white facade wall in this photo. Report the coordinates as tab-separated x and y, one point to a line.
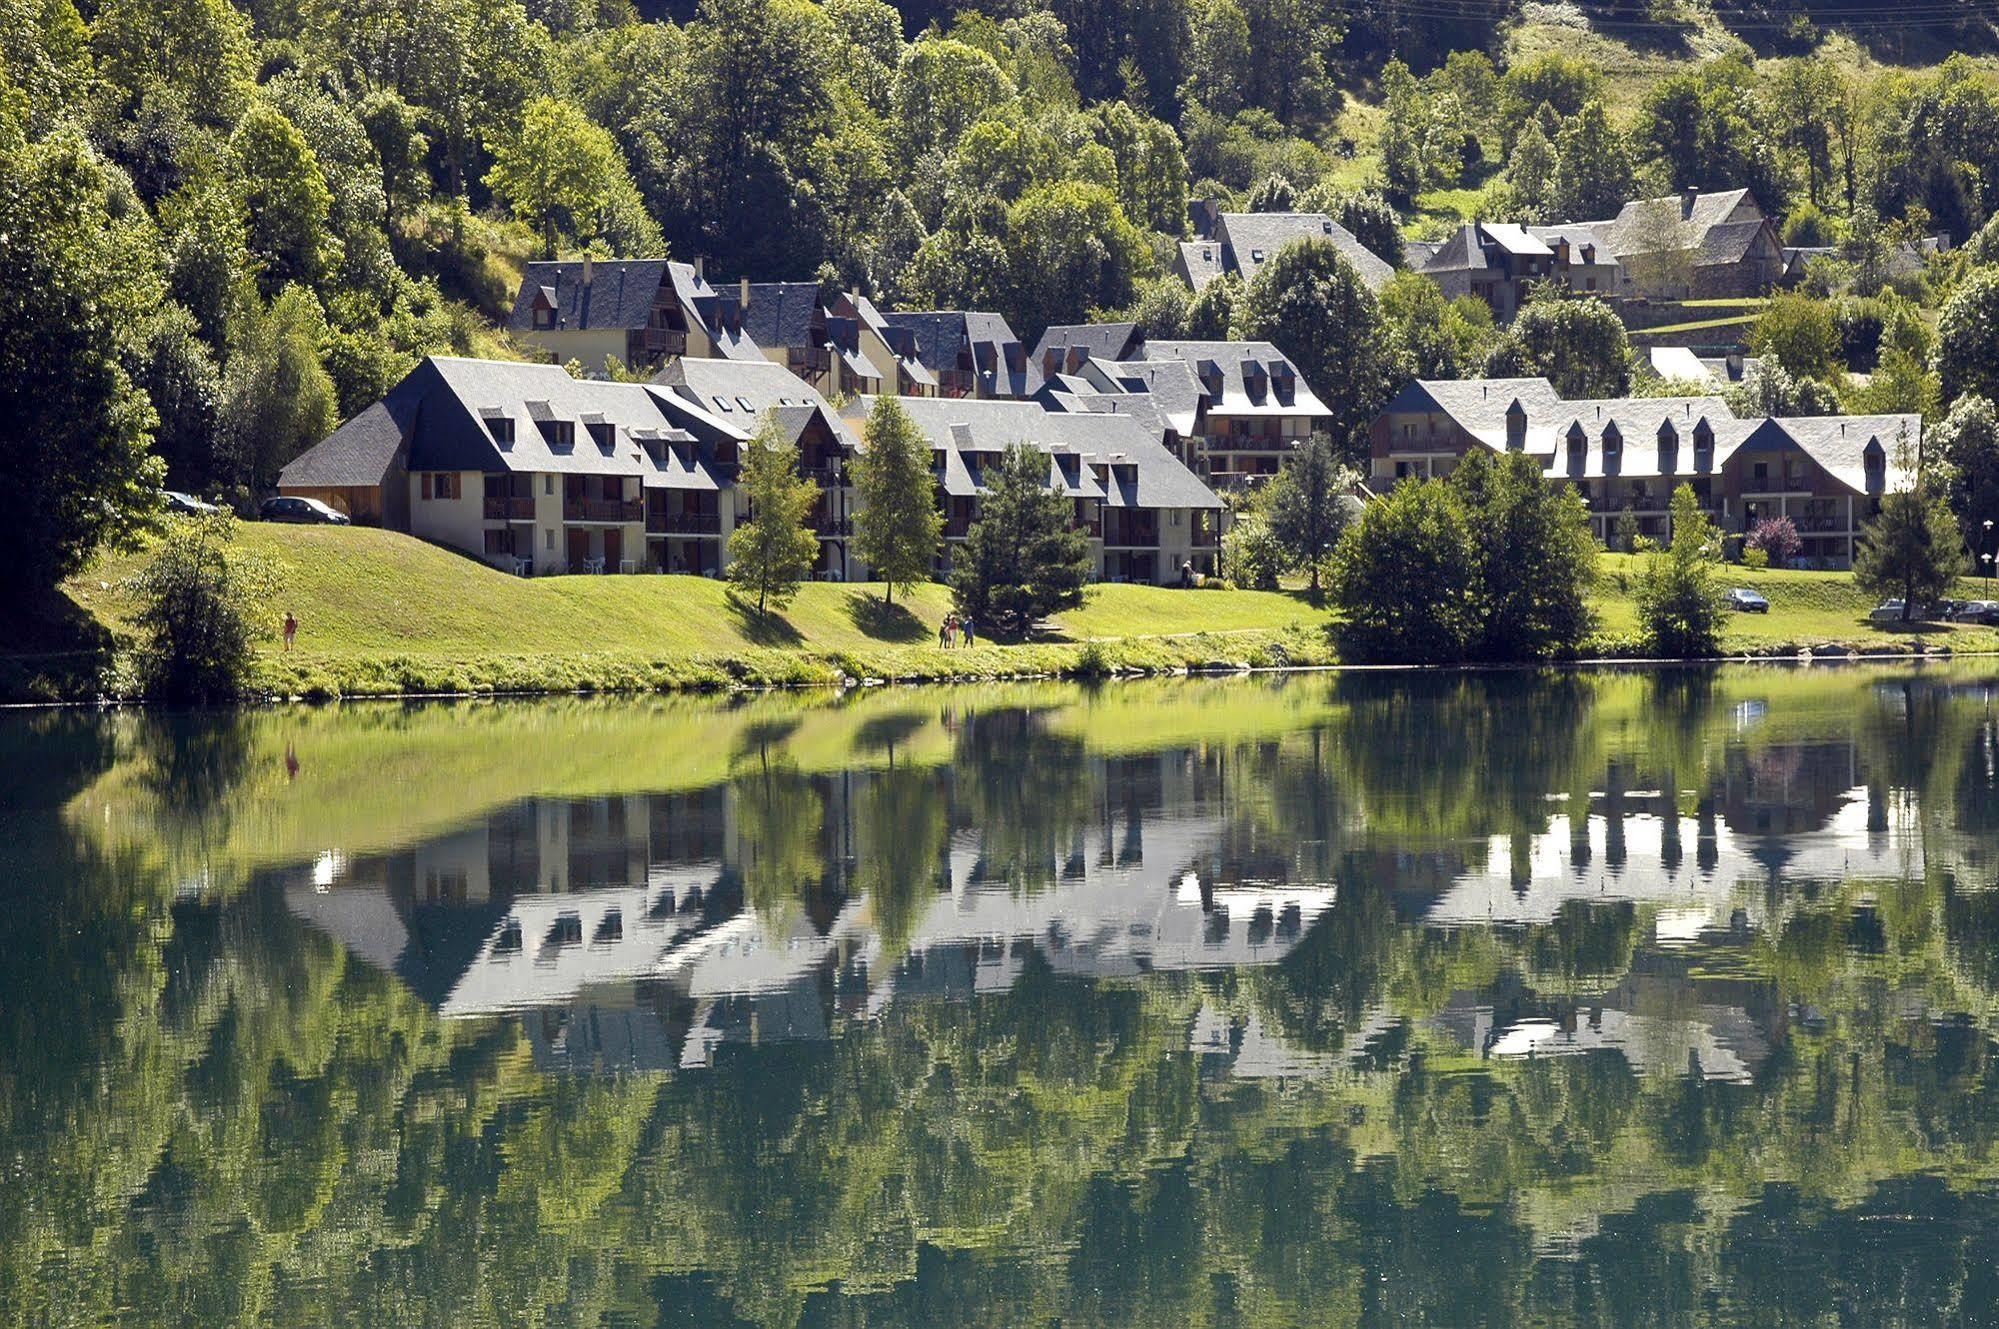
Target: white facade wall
459	522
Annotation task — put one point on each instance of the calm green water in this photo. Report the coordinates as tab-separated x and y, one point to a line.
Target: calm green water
1613	998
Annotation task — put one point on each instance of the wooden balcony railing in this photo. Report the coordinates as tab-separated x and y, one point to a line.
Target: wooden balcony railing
684	523
509	509
603	509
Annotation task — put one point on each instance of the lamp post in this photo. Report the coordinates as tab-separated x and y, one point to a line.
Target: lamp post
1987	557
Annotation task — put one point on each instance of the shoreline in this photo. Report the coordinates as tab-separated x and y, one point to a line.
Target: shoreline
1119	659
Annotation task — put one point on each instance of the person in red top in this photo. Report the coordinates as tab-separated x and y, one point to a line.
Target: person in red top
291	629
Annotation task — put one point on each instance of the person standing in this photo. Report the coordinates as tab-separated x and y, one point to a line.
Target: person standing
971	639
291	629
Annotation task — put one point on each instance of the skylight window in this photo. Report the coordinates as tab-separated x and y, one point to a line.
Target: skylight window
744	402
722	403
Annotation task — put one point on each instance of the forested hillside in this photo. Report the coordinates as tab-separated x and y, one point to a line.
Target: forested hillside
227	226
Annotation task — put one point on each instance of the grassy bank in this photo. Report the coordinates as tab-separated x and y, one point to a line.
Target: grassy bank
383	614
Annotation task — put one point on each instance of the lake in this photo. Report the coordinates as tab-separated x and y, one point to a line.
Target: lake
1600	997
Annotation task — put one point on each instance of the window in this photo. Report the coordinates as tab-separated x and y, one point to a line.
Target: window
440	484
722	403
1176	516
561	434
1589	284
499	542
744	402
548	484
1761	472
426	486
502	429
544	317
1256	256
603	435
548	537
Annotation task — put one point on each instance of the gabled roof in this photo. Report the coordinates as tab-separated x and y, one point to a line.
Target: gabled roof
1728	242
1202	261
1100	341
1642	223
1239	363
1477	403
1839	443
941	333
360	453
1636	424
1254	238
738	392
619	295
1579	235
780	313
962	424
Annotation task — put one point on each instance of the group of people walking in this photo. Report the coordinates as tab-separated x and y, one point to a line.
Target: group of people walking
952	628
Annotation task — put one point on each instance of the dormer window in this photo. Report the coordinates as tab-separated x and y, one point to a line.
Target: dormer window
1516	427
501	429
1256	256
603	434
1325	228
1613	440
1578	446
559	433
1875	459
544	317
1669	448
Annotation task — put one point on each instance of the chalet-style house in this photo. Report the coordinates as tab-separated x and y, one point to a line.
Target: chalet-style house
1826	474
640	311
1493	261
1231	410
971	353
537	472
1147	515
1242	242
1693	246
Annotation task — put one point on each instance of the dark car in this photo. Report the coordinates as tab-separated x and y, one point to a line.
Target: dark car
307	511
1977	611
186	505
1745	601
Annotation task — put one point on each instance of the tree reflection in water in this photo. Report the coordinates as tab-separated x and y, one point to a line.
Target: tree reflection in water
1470	998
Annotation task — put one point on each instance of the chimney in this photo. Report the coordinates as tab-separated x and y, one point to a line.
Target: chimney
1688	197
835	362
1735	366
743	298
589	268
701	267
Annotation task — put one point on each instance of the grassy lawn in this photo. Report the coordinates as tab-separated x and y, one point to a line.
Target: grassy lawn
1805	607
1699	325
382	612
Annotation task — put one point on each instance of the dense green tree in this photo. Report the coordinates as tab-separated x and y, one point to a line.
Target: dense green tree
1069	249
1151	168
1535	558
1800	334
1023	558
1212	311
1530	174
1773	391
1912	550
1964	447
1968	338
564	176
1705	129
1593	172
1682	608
1273	193
943	87
177	372
1579	345
899	527
1401	578
203	603
1307	506
1309	302
78	429
1440	338
771	552
1561	82
197	51
285	199
277	399
1405	133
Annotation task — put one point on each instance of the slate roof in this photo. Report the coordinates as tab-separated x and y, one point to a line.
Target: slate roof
1234	359
1254	238
1101	341
1728	242
1579	235
359	453
620	294
1477	403
1162	481
735	393
1202	261
1637	423
1839	444
941	333
1704	229
780	313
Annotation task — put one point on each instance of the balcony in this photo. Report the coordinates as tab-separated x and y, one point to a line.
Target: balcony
683	523
603	509
833	526
661	341
808	360
510	509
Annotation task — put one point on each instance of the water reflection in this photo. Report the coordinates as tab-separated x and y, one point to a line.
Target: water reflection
1462	998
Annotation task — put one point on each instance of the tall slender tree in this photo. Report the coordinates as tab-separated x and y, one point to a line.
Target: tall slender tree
1023	558
899	524
772	552
1306	510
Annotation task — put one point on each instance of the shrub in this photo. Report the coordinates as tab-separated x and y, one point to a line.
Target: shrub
200	602
1776	538
1754	558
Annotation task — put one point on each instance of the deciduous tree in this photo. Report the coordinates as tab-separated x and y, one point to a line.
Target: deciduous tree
1307	506
771	553
898	527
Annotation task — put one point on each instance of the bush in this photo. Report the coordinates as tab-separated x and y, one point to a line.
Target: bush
1754	558
1252	556
1776	538
1680	605
201	603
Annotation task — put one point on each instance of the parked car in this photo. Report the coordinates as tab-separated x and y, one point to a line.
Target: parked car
1977	611
186	505
1888	611
308	511
1745	601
